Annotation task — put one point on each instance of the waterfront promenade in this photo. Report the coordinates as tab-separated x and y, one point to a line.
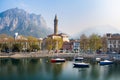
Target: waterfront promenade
65	55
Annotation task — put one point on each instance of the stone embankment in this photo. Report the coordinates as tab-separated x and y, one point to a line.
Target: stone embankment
46	54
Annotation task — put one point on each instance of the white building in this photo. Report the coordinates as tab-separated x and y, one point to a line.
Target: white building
113	42
76	46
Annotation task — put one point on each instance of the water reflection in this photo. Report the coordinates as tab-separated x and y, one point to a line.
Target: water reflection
3	61
15	61
43	69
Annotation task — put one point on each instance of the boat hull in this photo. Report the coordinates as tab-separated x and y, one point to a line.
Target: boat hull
81	65
106	62
57	60
78	59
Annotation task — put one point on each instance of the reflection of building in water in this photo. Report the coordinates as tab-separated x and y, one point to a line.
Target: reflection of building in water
113	42
66	64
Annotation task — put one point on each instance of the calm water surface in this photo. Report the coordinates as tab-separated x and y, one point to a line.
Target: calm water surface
42	69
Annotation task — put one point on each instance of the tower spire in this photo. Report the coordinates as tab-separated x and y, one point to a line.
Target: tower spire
55	24
56	16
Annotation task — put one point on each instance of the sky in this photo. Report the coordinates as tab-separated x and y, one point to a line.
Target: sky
73	15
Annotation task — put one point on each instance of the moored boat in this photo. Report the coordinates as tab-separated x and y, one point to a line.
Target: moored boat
81	64
98	59
57	60
78	58
106	62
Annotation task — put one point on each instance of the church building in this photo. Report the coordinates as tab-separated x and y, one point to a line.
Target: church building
55	35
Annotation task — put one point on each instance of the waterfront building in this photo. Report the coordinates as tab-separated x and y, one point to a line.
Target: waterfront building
72	46
57	38
67	46
113	42
55	35
75	45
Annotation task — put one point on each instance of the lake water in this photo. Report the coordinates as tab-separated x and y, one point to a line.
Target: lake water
42	69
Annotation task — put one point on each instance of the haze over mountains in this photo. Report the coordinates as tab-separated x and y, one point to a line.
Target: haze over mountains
17	20
100	30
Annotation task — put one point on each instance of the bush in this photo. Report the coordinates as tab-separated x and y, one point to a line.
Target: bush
34	47
16	47
4	47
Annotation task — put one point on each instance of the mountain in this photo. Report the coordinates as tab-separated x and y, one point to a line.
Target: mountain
100	30
17	20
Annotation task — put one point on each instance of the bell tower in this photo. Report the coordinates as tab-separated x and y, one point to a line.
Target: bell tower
55	25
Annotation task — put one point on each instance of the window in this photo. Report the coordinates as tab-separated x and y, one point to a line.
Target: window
114	42
119	46
114	46
118	41
110	41
110	46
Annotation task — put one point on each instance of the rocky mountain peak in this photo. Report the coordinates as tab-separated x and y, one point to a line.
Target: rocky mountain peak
18	20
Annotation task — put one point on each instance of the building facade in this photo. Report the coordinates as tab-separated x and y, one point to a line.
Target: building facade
67	46
113	43
76	46
72	46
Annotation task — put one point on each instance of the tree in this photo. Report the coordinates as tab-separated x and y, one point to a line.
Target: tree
84	42
104	43
32	43
49	44
34	47
95	42
53	44
4	47
17	47
0	46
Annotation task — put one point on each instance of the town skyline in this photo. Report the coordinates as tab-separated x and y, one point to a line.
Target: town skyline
73	16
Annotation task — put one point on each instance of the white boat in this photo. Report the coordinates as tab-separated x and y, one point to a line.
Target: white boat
106	62
58	60
98	59
81	64
79	58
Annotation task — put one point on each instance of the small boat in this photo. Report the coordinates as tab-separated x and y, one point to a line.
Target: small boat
78	58
98	59
106	62
57	60
81	64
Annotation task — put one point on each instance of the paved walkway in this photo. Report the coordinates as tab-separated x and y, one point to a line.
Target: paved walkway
46	54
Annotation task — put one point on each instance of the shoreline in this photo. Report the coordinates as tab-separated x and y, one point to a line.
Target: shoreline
63	55
34	54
